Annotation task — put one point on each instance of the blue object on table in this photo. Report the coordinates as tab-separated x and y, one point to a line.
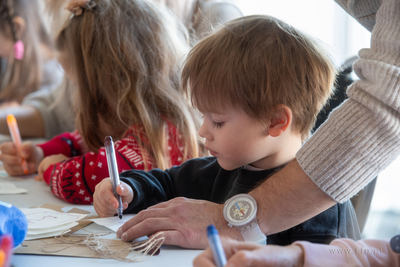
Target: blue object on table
13	222
216	246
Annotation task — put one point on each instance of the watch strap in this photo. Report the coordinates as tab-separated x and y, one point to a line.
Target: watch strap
253	234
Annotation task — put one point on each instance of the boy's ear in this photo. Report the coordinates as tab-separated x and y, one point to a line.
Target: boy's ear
280	121
20	26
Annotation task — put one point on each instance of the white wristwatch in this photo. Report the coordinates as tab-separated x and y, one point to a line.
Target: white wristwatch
240	211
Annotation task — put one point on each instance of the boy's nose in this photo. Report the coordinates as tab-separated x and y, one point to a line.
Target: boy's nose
204	132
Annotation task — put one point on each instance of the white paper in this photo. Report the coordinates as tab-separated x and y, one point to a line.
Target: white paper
2	170
4	173
113	223
10	189
53	229
40	218
50	234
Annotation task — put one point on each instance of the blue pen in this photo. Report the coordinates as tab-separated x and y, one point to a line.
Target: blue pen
216	246
113	170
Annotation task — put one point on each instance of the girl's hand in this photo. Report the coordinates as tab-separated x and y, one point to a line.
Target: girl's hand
47	162
250	254
104	201
12	158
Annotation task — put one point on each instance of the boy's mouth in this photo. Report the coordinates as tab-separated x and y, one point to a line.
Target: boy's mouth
213	153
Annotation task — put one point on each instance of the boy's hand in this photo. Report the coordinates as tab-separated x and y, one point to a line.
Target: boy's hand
47	162
12	158
104	201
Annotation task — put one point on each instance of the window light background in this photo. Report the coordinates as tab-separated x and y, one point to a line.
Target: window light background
327	21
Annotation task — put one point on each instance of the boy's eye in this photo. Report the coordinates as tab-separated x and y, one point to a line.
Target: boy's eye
217	124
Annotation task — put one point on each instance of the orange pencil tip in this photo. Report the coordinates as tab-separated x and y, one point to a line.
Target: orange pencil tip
11	119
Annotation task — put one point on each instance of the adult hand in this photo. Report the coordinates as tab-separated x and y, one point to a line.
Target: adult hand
184	223
253	255
104	201
9	104
12	158
47	162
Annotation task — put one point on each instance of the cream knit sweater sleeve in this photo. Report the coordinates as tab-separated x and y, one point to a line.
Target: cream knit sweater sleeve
362	136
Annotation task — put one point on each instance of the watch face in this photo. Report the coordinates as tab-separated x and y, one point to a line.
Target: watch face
240	209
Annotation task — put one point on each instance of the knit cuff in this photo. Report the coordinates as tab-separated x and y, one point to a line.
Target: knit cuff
47	174
58	145
137	203
351	148
361	137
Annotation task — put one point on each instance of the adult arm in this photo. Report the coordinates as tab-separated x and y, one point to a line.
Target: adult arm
42	114
54	108
340	252
363	11
347	252
29	120
359	139
36	117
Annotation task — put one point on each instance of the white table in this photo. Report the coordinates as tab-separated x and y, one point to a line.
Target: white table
39	193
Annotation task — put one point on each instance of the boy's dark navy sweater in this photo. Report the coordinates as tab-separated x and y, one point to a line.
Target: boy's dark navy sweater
203	178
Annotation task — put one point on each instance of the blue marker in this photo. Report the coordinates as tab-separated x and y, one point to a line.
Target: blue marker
216	246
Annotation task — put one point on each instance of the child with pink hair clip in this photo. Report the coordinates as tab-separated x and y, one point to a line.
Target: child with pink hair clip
27	58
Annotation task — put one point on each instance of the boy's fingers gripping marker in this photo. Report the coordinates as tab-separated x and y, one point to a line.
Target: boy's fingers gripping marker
121	189
16	137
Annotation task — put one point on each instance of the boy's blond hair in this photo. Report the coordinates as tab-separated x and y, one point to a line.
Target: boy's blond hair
255	63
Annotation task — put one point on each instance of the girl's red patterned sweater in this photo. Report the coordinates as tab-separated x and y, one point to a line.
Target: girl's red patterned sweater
74	180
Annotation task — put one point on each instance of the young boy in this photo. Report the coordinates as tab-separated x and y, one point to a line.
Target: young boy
259	84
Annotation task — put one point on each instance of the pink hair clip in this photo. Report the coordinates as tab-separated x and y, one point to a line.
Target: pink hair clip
19	50
75	6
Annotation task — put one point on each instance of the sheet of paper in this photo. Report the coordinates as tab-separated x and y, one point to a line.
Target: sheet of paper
4	173
61	228
10	189
40	218
2	170
44	235
113	223
35	247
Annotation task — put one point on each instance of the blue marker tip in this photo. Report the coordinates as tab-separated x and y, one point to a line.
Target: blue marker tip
216	246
